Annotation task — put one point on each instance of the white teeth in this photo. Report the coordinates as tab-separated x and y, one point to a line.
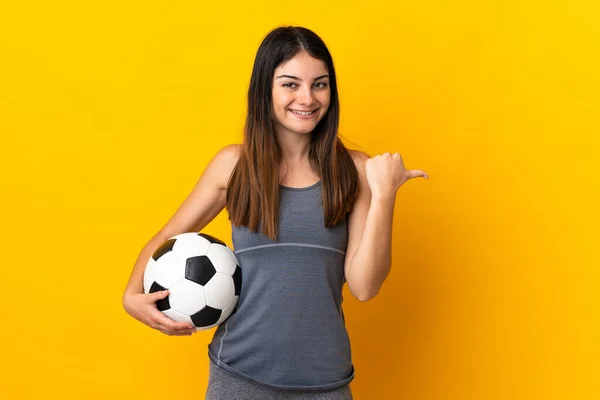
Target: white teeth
302	112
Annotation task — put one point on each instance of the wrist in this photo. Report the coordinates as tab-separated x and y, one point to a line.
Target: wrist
383	197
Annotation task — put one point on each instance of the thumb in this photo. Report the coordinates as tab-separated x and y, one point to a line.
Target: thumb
414	173
159	295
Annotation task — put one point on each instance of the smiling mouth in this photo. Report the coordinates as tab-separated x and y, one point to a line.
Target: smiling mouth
299	112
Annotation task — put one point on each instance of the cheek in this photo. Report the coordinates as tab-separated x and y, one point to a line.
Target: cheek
281	99
325	99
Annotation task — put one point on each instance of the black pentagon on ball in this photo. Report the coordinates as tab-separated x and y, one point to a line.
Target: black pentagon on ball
161	304
206	317
163	249
199	269
211	239
237	280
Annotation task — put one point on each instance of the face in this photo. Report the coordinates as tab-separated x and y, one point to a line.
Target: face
301	94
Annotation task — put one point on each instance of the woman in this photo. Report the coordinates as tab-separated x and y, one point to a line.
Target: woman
307	215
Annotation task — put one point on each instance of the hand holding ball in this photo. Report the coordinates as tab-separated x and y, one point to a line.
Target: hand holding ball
202	276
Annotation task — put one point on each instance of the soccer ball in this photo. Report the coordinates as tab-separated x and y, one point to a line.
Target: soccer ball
202	275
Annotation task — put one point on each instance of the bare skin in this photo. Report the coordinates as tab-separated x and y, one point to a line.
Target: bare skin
205	202
301	84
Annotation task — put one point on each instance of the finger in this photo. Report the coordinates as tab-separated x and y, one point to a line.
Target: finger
175	332
161	319
414	173
186	332
172	333
158	295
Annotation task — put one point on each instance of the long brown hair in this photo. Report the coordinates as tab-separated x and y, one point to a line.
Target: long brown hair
253	188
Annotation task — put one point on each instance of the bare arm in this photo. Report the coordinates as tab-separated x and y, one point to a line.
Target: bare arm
365	216
369	252
206	200
370	263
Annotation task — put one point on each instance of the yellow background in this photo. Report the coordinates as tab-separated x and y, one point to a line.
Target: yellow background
109	112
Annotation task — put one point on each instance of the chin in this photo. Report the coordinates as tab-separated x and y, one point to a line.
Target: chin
303	131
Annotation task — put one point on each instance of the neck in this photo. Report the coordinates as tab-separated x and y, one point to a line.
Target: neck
294	147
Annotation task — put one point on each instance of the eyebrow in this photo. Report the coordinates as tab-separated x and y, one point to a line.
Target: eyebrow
295	77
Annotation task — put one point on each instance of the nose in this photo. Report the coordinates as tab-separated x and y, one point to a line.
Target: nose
305	96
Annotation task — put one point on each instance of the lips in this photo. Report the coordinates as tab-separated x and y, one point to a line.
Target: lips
303	112
306	117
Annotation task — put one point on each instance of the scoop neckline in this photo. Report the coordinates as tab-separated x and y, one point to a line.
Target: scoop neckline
297	189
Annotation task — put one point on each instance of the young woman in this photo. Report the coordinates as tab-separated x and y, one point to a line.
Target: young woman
307	215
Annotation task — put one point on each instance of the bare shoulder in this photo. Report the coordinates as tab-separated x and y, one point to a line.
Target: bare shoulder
232	150
225	161
230	153
207	198
360	158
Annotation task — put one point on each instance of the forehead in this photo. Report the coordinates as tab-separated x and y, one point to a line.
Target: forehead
302	65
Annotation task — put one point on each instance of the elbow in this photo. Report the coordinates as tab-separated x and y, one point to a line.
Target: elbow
366	295
362	292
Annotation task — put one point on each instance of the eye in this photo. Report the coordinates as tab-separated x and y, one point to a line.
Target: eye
288	84
321	83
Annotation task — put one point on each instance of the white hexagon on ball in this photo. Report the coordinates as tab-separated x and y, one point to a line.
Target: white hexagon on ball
177	316
149	274
170	269
187	297
222	258
219	291
190	244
